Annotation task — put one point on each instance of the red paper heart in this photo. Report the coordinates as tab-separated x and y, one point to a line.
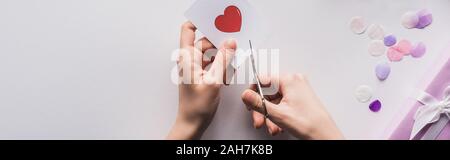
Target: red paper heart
230	21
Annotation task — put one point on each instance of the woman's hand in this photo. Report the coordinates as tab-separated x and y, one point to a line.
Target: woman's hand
199	88
295	108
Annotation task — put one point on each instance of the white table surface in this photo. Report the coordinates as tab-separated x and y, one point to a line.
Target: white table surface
100	69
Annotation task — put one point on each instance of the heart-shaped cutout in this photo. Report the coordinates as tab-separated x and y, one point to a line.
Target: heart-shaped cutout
230	21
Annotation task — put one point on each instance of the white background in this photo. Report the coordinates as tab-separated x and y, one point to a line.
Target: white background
100	69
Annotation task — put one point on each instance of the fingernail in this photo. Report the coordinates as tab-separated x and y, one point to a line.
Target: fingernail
231	43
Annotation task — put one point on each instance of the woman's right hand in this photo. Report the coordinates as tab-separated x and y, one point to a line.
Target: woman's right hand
295	108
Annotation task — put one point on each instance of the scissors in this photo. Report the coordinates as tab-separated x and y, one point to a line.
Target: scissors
258	82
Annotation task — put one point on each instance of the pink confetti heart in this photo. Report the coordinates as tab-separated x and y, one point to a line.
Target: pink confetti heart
404	46
394	54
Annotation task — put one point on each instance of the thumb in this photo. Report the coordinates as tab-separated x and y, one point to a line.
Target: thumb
253	101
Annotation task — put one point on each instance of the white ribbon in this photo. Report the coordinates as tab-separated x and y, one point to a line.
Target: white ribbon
431	111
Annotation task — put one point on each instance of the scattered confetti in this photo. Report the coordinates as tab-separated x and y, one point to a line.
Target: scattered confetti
376	32
390	40
363	93
395	51
377	48
394	55
418	50
375	106
382	71
358	25
425	19
410	20
404	46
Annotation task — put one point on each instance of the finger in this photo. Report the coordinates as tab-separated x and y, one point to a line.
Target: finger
272	85
208	58
272	128
228	75
264	80
293	83
222	61
208	50
258	119
190	64
187	35
254	101
270	97
191	59
204	44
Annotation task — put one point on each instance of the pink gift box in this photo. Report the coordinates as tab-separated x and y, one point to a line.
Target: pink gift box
435	83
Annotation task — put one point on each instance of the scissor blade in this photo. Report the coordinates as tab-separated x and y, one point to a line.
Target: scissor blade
255	73
258	83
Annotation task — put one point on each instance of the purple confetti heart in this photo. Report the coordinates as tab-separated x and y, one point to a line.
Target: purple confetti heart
375	106
390	40
425	19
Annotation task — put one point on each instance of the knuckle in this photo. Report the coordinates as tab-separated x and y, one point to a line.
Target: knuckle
300	76
216	86
285	77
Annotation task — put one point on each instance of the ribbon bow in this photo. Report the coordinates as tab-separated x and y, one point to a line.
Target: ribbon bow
431	111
